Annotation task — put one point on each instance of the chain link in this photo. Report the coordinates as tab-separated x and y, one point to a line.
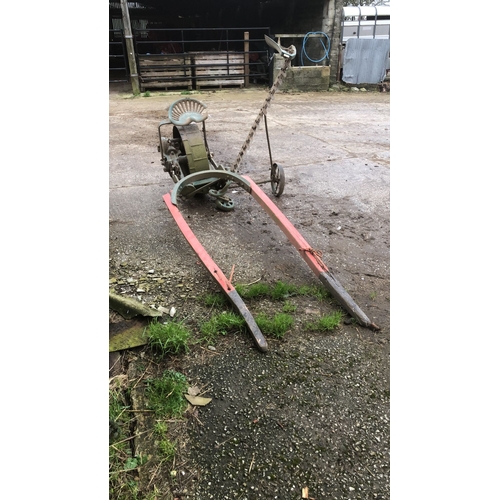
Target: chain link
263	111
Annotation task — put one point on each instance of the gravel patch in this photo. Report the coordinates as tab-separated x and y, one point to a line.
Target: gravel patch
312	413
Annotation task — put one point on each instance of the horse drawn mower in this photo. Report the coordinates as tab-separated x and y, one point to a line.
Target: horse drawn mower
186	156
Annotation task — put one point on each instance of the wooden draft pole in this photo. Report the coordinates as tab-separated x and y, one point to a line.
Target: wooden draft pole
247	58
332	26
129	42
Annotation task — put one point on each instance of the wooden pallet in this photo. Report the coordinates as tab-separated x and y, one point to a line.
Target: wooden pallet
165	71
218	69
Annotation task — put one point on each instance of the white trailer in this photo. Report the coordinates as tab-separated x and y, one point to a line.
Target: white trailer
365	22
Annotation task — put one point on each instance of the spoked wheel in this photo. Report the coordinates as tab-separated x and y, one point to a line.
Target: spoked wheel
277	179
224	204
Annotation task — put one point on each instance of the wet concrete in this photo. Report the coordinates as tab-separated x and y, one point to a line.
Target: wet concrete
328	393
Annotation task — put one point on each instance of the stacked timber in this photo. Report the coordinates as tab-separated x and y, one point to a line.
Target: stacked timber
165	71
193	69
218	69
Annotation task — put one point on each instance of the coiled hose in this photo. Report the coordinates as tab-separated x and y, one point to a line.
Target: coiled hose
304	51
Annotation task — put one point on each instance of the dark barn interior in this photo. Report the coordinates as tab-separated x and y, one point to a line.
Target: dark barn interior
165	28
281	16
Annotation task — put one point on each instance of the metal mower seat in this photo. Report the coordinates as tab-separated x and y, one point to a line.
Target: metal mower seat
187	110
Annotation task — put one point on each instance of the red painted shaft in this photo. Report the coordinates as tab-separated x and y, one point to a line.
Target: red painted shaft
208	262
217	274
288	228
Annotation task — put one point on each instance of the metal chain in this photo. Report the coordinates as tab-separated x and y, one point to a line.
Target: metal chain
262	112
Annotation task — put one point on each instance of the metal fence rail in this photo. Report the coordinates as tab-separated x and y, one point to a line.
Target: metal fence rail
118	63
195	57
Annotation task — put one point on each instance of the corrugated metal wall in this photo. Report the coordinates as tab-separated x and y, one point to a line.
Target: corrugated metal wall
365	60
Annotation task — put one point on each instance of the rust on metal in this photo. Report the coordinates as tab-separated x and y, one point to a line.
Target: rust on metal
189	162
312	257
217	274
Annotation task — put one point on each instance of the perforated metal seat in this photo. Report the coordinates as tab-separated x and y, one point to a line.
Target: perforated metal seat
187	110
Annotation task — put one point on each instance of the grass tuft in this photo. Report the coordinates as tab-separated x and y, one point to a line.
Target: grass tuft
280	291
166	394
167	450
254	291
288	307
317	292
283	290
276	326
326	323
221	324
170	338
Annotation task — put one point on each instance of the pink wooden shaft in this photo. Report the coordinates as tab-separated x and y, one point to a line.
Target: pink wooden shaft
287	227
208	262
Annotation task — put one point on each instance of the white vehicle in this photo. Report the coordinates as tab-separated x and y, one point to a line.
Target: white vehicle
365	22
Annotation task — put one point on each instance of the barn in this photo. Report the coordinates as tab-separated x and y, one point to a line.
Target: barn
197	44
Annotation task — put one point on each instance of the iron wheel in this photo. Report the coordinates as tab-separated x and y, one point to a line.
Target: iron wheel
225	205
277	179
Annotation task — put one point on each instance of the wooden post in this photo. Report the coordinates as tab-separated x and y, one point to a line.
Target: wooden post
332	20
127	28
247	58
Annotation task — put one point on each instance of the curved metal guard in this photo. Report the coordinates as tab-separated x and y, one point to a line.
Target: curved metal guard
187	110
209	174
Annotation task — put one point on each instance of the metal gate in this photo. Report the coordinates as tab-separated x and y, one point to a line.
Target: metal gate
193	57
118	61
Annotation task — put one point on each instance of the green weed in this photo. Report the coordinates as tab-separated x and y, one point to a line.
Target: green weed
134	462
326	323
221	324
214	300
275	327
280	291
283	290
167	450
170	338
146	94
317	292
254	291
288	307
121	461
118	406
166	394
160	428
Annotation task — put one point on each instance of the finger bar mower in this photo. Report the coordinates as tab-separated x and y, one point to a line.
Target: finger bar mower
189	162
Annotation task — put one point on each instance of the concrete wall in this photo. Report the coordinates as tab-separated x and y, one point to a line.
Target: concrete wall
304	17
302	78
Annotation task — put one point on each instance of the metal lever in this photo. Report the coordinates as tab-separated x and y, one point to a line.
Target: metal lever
287	53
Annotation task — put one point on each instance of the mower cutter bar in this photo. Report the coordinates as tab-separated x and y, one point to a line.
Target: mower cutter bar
311	256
